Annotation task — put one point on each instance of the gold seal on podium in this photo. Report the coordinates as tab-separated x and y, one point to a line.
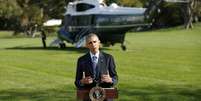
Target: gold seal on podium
97	94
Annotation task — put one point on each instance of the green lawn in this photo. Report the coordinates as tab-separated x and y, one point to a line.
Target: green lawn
160	65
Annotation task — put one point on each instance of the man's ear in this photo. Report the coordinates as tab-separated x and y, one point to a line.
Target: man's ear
100	45
86	46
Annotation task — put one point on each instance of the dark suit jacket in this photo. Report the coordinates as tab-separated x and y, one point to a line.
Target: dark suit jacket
105	63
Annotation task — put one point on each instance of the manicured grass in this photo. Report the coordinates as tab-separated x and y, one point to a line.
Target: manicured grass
160	65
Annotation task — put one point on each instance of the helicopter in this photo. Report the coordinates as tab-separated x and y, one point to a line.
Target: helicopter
110	23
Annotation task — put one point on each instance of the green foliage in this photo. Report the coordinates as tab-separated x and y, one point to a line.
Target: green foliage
197	10
108	2
170	15
161	65
34	14
9	8
28	12
14	13
144	2
130	3
52	8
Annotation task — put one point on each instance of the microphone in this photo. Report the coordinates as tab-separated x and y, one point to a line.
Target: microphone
83	75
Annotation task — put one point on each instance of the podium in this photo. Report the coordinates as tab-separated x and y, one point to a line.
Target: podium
110	93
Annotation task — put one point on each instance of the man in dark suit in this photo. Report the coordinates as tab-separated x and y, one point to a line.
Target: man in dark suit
95	67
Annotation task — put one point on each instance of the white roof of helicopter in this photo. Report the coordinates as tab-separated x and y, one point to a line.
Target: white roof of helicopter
113	9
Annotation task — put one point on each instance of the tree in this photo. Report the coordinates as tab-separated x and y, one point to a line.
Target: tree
9	10
192	11
197	11
130	3
108	2
28	12
36	12
189	7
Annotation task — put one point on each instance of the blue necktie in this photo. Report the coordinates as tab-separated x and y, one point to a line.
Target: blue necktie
94	61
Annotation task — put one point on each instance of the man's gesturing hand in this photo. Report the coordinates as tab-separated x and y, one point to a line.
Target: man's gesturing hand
86	80
106	78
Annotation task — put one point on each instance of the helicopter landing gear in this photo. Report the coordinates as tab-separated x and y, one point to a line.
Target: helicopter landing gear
123	47
62	45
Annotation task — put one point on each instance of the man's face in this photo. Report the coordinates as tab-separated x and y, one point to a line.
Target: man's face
93	44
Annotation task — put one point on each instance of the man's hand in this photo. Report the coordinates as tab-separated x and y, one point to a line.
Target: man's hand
86	80
106	78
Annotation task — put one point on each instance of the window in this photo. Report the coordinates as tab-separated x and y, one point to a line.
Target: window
83	7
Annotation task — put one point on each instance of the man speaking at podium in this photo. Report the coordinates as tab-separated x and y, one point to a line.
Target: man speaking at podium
95	68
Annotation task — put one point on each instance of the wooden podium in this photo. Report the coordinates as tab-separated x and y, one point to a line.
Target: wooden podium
110	93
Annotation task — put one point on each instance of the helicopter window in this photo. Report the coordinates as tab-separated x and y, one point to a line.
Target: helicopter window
118	19
102	20
83	20
83	7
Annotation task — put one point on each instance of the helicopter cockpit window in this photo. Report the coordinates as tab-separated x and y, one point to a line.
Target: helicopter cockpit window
83	7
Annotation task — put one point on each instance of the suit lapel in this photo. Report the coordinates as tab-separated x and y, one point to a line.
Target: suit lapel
89	63
101	66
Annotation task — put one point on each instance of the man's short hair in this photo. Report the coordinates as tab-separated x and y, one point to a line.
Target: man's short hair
91	35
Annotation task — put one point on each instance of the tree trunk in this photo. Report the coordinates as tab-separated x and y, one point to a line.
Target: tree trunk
189	15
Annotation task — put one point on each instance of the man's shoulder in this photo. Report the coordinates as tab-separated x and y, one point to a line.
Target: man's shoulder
107	55
83	57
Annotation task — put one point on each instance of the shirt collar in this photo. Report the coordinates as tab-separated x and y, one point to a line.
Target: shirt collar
97	54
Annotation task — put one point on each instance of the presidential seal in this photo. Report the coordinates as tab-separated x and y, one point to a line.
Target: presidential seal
97	94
